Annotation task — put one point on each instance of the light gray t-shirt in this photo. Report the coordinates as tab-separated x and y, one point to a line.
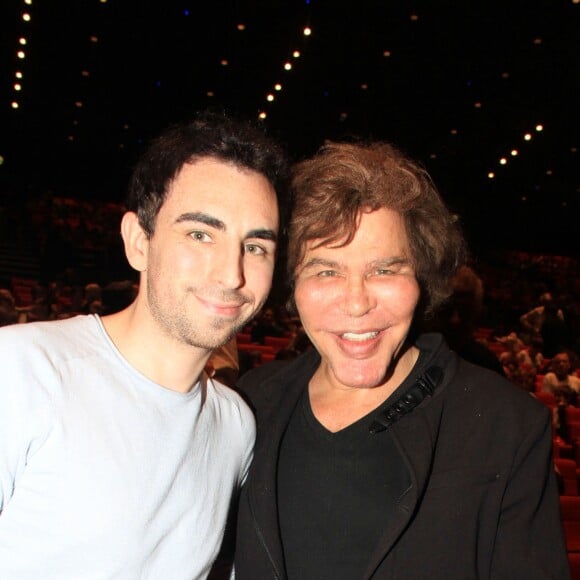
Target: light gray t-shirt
103	473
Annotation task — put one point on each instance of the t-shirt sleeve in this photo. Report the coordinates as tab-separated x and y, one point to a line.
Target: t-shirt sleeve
25	411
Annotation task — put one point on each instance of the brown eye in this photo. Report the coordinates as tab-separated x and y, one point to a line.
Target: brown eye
255	250
200	236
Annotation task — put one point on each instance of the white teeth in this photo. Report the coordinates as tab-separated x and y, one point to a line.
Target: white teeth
359	337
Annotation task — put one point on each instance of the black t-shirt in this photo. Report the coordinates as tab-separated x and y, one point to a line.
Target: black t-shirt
335	492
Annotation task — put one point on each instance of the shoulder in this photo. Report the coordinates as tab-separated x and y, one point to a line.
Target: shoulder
279	370
270	381
487	395
478	413
465	381
230	403
489	384
536	311
34	340
34	357
475	392
35	354
33	335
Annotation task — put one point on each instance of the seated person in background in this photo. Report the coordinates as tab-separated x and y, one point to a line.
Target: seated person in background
458	318
380	452
297	345
8	311
118	294
517	363
559	380
92	293
536	355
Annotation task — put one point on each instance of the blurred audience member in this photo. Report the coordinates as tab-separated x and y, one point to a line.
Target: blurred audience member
532	321
517	363
8	311
118	295
92	295
224	364
536	355
40	307
560	381
554	332
299	343
460	316
264	325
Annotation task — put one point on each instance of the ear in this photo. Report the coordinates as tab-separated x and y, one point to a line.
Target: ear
135	240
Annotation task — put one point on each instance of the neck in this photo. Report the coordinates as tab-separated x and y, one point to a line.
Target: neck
337	407
170	364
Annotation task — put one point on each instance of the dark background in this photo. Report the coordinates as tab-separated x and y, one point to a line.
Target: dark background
454	84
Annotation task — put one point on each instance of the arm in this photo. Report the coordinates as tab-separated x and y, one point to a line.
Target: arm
26	414
547	385
529	320
529	539
12	451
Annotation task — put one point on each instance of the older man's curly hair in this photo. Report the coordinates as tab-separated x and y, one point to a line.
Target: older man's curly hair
342	180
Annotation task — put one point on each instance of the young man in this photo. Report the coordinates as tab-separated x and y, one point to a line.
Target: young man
380	453
119	458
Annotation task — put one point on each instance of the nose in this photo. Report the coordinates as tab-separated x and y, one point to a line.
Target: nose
357	299
228	268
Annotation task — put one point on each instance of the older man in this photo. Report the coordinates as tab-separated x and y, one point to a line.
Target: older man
380	453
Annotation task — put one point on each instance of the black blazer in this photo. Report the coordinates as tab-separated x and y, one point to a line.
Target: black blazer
483	501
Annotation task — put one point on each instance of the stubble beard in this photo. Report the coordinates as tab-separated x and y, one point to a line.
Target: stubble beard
176	324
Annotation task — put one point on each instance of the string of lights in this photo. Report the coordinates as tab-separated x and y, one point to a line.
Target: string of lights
413	17
461	89
286	67
21	53
515	152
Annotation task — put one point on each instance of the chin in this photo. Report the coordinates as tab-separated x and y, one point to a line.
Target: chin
361	378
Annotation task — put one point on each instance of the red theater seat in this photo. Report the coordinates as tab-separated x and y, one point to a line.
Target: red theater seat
567	469
570	510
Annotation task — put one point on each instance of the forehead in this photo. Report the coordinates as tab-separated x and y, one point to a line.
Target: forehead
221	188
379	233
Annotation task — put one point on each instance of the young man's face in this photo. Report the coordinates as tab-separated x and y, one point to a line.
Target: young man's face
357	302
211	257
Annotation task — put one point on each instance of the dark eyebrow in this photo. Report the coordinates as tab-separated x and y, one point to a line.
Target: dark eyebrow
391	261
263	234
374	264
213	222
203	218
321	262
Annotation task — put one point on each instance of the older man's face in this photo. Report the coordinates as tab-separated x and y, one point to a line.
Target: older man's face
357	302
